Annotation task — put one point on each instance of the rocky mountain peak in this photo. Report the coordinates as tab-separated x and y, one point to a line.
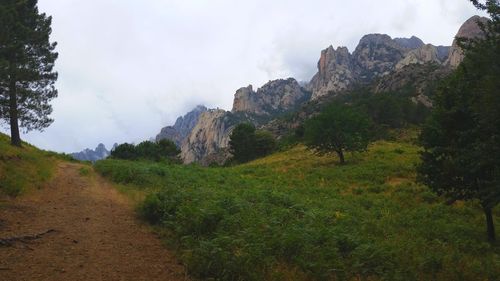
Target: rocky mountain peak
99	153
336	72
470	29
376	55
274	97
182	127
409	43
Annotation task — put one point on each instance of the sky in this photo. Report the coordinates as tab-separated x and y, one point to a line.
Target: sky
127	68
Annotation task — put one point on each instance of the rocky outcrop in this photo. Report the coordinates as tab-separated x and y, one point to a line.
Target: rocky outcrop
336	72
409	43
208	138
92	155
274	97
469	30
377	55
182	127
425	54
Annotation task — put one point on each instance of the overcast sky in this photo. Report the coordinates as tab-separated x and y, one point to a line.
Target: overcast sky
127	68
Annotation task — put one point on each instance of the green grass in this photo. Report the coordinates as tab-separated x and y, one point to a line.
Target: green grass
297	216
22	169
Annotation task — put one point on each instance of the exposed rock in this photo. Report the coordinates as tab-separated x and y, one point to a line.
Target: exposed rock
409	43
92	155
182	127
377	55
425	54
336	72
415	80
274	97
210	136
443	52
469	30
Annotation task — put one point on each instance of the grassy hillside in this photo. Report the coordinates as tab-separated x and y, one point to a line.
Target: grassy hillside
23	168
297	216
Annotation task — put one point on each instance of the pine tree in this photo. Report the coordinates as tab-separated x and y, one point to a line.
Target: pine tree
461	140
26	67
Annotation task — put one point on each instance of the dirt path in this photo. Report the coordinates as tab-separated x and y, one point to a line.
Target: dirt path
96	237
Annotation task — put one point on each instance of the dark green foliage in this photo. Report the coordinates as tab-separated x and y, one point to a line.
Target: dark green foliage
461	159
246	143
292	216
124	151
338	128
26	67
147	150
241	142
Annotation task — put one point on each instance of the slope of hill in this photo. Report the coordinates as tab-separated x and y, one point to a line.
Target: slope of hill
297	216
23	168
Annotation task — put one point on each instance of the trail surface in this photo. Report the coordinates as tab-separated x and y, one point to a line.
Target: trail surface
96	235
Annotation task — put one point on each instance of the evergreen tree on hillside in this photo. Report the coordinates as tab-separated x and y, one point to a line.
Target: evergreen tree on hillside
26	67
461	158
246	143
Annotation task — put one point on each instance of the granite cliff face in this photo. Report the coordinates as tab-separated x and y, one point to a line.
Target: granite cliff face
380	62
424	54
209	137
377	55
182	127
92	155
469	30
274	97
336	72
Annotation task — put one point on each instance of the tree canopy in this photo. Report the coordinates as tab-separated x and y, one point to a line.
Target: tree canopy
338	128
163	150
246	143
26	67
461	140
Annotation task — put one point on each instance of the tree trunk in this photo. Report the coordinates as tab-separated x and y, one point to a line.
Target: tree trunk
15	138
340	153
490	227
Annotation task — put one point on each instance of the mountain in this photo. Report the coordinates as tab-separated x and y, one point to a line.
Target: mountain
379	62
274	97
92	155
469	30
182	127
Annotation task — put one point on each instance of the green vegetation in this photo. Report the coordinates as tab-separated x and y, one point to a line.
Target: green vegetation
163	150
23	168
247	144
298	216
338	128
26	67
462	138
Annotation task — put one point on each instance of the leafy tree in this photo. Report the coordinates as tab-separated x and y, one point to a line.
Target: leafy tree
241	142
246	143
461	157
26	67
338	128
124	151
147	150
264	143
167	148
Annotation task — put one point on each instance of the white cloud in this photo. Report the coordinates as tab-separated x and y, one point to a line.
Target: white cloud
128	68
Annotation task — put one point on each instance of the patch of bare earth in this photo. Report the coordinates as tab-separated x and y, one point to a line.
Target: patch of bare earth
79	228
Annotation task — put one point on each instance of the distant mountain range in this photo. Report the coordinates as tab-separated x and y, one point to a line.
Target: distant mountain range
99	153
